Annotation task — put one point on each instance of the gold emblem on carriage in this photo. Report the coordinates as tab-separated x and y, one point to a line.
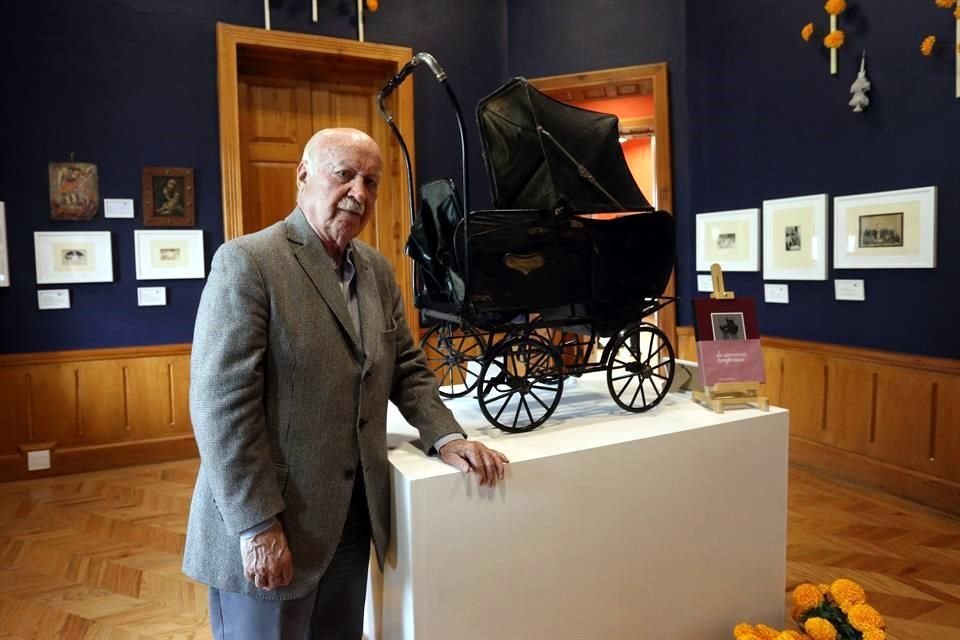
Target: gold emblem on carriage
524	263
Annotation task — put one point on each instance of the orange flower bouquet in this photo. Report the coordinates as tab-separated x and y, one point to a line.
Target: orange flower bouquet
838	611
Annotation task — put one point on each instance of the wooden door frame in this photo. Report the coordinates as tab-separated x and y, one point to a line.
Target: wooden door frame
657	73
230	38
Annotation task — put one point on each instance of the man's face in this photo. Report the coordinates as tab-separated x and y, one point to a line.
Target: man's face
338	190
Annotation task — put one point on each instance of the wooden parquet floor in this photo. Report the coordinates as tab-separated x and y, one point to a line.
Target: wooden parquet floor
97	556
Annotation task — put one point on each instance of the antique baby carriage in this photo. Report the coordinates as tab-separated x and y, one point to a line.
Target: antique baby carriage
520	294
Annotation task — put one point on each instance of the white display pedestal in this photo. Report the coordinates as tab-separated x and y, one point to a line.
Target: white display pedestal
669	524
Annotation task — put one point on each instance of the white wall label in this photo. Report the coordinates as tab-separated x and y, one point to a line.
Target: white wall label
705	283
38	460
849	290
151	296
53	299
117	208
776	293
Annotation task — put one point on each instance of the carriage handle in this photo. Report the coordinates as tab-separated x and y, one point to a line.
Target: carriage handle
441	76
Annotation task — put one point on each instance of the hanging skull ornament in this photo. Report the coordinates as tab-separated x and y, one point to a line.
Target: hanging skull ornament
859	88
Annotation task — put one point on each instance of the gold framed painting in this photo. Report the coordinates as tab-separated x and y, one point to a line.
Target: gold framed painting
730	239
795	238
168	197
886	230
74	190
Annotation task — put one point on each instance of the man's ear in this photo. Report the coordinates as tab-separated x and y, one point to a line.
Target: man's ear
301	174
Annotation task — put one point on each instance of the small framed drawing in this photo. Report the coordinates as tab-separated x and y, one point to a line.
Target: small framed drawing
74	190
4	261
67	257
795	238
886	230
168	197
729	238
169	255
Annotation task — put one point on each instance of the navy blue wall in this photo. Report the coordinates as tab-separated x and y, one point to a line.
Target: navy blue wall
132	83
767	120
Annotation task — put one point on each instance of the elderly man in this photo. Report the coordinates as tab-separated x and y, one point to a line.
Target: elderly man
300	340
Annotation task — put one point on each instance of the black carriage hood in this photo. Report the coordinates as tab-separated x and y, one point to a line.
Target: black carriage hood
533	147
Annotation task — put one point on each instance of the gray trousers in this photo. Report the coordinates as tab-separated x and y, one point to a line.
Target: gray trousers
332	611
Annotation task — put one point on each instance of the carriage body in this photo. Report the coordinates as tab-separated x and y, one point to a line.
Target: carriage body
571	252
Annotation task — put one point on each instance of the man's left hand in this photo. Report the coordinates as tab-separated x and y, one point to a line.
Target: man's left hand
468	455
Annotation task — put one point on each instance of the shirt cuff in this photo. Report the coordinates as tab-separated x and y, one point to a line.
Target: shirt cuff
450	437
258	528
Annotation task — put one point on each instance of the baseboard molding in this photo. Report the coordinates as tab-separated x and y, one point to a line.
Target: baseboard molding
859	469
100	457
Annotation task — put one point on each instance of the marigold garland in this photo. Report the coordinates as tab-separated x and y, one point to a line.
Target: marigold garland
874	634
836	7
807	596
807	32
863	617
792	635
765	632
847	593
833	40
945	4
820	629
926	47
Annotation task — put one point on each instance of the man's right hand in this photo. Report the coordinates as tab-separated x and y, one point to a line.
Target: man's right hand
267	561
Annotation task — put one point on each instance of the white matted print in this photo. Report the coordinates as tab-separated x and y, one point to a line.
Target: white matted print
795	238
4	260
169	255
730	239
886	230
67	257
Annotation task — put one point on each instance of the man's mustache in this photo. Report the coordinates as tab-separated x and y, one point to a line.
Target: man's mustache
351	204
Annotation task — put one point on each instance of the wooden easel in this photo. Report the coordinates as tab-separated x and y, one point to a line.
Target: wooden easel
729	394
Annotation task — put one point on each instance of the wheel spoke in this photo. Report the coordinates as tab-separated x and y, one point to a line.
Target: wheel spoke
516	416
537	398
523	401
506	402
633	400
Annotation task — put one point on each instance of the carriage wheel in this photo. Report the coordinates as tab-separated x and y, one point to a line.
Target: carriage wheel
572	348
640	367
520	384
455	355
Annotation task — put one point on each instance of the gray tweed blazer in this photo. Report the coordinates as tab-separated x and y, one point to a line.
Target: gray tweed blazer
285	401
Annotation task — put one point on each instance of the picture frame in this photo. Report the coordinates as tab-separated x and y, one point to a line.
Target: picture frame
795	238
730	239
74	190
725	319
71	257
4	259
169	254
886	230
168	197
728	341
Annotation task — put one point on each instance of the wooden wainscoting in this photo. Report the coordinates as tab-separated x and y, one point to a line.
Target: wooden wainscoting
886	420
98	408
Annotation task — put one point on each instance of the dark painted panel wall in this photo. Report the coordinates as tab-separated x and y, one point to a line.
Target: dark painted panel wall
130	83
767	121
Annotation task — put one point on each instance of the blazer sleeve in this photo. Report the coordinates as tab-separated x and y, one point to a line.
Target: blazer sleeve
226	391
414	388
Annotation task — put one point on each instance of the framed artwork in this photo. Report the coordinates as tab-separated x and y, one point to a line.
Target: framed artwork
729	238
168	197
725	319
795	238
4	261
169	255
68	257
886	230
74	191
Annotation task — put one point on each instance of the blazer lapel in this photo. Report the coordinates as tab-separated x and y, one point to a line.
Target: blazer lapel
319	267
372	322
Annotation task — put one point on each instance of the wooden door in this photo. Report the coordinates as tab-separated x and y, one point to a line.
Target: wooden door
276	90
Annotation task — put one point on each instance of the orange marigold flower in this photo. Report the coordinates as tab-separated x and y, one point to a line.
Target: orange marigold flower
820	629
765	632
791	635
926	47
807	32
824	588
874	634
833	40
807	596
945	4
847	593
835	7
863	617
742	629
373	5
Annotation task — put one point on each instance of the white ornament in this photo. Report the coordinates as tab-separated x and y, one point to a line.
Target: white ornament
859	88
